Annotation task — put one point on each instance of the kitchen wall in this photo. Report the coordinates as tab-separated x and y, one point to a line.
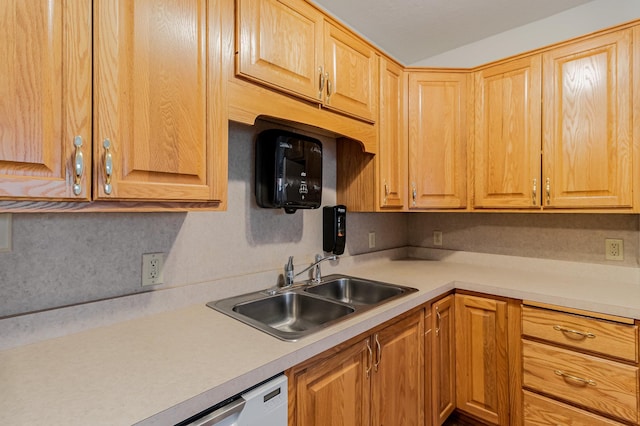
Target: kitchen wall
67	258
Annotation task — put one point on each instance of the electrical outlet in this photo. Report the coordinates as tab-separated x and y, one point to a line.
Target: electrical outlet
152	266
437	238
372	240
614	249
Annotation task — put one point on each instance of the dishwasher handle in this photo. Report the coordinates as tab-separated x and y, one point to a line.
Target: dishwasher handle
220	414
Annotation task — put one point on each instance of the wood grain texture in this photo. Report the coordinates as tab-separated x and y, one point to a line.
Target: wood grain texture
355	185
609	338
541	411
45	82
587	146
280	44
397	396
507	135
614	390
443	358
392	148
636	116
482	366
152	99
437	139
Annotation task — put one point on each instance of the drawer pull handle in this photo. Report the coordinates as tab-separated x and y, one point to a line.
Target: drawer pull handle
370	364
580	334
575	378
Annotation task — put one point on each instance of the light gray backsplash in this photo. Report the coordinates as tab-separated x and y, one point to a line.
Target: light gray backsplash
573	237
67	258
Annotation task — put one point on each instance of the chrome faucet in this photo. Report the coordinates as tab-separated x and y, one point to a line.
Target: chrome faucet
289	275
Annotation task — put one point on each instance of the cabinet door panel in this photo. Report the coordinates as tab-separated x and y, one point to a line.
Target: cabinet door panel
392	154
437	140
482	387
280	44
152	79
397	385
587	123
507	135
335	391
443	358
352	69
45	98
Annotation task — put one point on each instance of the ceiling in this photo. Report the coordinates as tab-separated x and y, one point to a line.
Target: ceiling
413	30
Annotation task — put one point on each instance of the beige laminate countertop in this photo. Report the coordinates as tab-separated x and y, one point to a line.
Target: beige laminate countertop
163	368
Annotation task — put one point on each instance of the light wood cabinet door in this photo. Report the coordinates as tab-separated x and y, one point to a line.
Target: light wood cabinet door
157	106
437	140
351	69
397	381
587	119
507	136
280	45
482	366
392	147
45	99
335	390
443	360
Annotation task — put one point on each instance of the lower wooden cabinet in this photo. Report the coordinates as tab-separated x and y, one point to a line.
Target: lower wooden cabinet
442	356
539	411
375	380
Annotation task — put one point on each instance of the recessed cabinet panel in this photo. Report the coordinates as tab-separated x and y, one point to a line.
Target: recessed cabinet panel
277	45
151	101
507	135
587	123
45	99
437	140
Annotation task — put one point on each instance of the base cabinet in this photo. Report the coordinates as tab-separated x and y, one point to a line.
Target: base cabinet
375	380
443	360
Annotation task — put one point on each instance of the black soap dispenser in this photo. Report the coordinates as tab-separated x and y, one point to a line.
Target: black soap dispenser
334	230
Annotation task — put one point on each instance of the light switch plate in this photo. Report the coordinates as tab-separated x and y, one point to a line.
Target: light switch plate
5	232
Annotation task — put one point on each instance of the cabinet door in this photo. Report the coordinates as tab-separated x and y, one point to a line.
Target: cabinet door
280	44
587	147
335	390
392	148
437	139
482	368
352	74
156	101
508	135
45	99
443	360
397	382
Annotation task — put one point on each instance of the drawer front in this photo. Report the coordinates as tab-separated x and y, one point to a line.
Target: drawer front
539	411
605	386
589	334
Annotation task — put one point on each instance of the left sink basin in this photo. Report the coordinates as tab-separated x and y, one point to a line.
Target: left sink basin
288	316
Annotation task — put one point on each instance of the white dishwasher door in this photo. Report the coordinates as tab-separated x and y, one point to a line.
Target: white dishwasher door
263	405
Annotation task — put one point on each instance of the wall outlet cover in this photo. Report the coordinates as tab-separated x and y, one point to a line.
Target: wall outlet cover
152	269
614	249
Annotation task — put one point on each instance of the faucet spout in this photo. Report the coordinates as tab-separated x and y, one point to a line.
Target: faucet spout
289	274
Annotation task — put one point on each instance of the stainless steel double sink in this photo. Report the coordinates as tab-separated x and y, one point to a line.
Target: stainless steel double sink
305	308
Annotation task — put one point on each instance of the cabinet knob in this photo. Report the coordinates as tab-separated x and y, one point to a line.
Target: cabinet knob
108	166
78	166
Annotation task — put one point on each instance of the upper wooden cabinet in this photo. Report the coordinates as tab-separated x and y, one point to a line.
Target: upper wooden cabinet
587	123
158	123
289	45
437	139
392	145
506	165
45	100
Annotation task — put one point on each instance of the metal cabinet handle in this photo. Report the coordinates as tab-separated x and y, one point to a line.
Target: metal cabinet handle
370	359
548	191
414	193
378	353
438	320
78	166
329	86
386	191
108	166
581	334
321	82
577	379
534	194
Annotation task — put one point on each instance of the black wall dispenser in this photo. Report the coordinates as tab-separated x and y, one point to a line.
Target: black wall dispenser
334	228
288	171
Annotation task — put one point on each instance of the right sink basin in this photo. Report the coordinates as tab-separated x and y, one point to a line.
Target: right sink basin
357	291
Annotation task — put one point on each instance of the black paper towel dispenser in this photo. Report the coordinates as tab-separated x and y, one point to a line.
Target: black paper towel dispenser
288	171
